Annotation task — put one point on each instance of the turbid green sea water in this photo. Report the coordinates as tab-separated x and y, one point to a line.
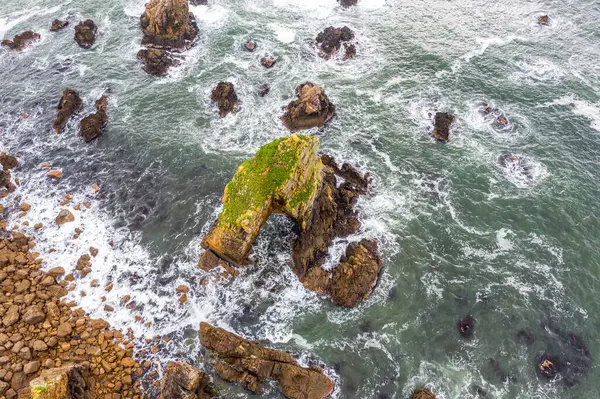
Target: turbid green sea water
516	247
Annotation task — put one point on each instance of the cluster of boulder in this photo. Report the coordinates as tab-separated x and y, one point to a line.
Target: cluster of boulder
22	41
91	126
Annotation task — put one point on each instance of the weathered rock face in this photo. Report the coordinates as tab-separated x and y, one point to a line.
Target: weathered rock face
311	109
331	40
22	41
422	393
168	24
225	97
69	104
156	61
85	33
91	126
8	162
63	382
182	381
58	24
347	3
442	123
283	177
251	364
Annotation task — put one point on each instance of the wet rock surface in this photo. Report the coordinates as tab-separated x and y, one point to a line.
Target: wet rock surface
331	41
85	33
70	103
250	45
168	24
92	125
182	381
311	109
8	162
543	20
466	326
225	97
268	62
422	393
22	41
263	90
156	61
441	125
347	3
58	24
237	359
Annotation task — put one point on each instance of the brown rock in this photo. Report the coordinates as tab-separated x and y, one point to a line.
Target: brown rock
183	289
92	125
442	123
56	271
64	329
268	62
422	393
11	316
225	97
25	207
157	61
55	174
168	24
39	346
64	216
31	367
311	109
33	315
331	40
69	104
182	381
22	41
57	25
85	33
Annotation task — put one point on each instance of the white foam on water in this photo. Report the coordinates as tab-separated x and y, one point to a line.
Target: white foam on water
283	34
487	42
539	70
583	108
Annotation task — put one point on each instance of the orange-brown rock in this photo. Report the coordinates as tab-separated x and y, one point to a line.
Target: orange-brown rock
182	381
64	216
92	125
69	104
85	33
225	97
22	41
8	162
168	24
422	393
55	173
251	364
311	109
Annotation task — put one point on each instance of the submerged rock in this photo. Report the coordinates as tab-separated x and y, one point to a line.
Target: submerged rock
422	393
69	104
549	366
182	381
466	326
268	62
251	364
58	24
225	97
168	24
347	3
331	40
85	33
543	20
22	41
63	382
442	123
156	61
91	126
263	90
311	109
250	45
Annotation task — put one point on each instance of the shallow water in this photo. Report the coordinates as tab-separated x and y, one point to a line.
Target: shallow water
460	234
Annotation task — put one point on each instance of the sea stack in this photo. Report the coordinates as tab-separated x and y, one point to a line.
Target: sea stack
22	41
69	104
331	41
85	33
311	109
91	126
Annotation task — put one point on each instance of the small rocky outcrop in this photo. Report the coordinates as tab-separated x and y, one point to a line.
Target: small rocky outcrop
85	33
250	45
347	3
543	20
8	162
225	97
168	24
182	381
69	104
331	41
466	326
91	126
441	126
268	62
58	24
422	393
263	90
251	364
64	216
62	382
311	109
22	41
156	61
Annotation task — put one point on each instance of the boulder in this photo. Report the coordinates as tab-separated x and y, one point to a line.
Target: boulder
156	61
283	177
168	24
58	24
69	104
549	366
225	97
8	162
63	382
441	126
311	109
543	20
422	393
182	381
251	364
64	216
331	41
33	315
263	90
85	33
347	3
91	126
466	326
250	45
268	61
22	41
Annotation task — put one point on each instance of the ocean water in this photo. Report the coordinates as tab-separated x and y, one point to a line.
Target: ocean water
460	231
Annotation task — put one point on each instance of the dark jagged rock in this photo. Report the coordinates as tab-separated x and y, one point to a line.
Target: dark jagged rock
251	364
348	3
199	2
549	366
250	45
8	162
268	62
225	97
22	41
182	381
69	104
156	61
543	20
331	40
422	393
58	24
311	109
85	33
91	126
466	326
442	123
263	90
168	24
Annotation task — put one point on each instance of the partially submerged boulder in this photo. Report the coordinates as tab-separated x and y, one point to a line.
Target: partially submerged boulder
543	20
268	61
311	109
441	125
69	104
85	33
63	382
347	3
182	381
58	24
466	326
251	364
8	162
22	41
168	24
331	40
91	126
156	61
422	393
225	97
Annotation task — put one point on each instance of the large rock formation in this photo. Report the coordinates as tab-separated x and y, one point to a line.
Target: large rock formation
287	176
69	104
422	393
63	382
283	177
22	41
441	126
311	109
91	126
85	33
225	97
182	381
251	364
331	40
